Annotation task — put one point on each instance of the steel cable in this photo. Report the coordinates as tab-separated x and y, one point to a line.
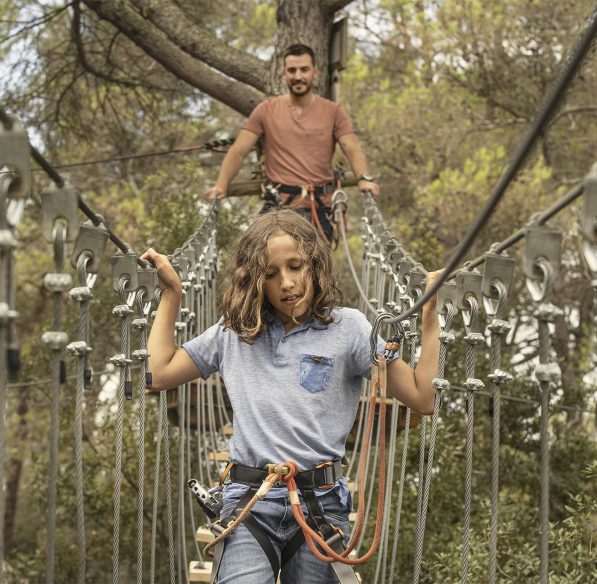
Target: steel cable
141	324
81	349
446	337
498	329
412	359
123	312
472	339
59	237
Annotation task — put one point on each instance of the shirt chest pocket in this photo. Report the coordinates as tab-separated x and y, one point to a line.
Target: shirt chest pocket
315	372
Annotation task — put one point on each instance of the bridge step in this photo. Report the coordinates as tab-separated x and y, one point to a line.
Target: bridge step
204	535
221	456
227	430
389	400
199	572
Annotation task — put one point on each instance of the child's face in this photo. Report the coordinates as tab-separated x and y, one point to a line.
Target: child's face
287	280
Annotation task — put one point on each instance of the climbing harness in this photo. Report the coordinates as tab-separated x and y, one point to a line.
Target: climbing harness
324	217
315	530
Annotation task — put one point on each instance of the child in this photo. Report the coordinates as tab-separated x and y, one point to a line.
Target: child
292	362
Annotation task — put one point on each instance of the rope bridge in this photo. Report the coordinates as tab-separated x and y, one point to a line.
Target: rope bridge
185	431
391	282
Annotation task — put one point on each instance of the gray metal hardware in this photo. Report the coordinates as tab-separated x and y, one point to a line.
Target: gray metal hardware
542	259
468	283
60	204
92	239
147	279
14	154
446	294
124	265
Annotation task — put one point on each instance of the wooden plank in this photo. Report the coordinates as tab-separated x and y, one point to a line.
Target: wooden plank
199	572
204	535
389	400
227	430
221	456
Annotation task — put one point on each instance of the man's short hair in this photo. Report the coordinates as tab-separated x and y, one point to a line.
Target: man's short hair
299	49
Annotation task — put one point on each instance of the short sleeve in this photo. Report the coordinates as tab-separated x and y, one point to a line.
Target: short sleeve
206	349
342	124
361	346
255	123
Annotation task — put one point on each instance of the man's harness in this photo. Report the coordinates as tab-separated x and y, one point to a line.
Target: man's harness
271	196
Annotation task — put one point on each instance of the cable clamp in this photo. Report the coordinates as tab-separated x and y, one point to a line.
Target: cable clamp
7	314
475	338
499	326
80	294
548	372
58	282
411	334
447	338
180	326
55	340
473	384
140	354
500	376
120	360
7	239
548	312
191	316
140	323
440	384
122	310
184	312
78	348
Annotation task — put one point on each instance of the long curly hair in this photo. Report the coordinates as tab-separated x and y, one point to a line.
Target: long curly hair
244	302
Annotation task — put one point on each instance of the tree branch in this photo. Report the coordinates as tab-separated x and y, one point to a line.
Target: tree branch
202	45
571	111
153	41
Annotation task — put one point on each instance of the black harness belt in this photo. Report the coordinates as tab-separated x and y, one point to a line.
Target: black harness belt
307	481
324	189
314	478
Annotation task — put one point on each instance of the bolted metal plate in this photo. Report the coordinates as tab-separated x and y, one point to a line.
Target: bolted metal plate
60	204
14	154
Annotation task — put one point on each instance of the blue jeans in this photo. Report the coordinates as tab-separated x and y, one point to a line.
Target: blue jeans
244	561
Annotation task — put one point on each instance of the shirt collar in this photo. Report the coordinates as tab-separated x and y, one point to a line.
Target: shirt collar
272	320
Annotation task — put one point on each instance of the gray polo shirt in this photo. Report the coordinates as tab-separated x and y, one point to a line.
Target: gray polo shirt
294	394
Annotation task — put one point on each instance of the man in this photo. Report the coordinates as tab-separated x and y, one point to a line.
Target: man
299	131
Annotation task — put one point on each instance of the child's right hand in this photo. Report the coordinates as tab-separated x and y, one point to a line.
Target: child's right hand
168	278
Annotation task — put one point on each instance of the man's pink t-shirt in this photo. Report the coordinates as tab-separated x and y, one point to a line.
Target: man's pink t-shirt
299	149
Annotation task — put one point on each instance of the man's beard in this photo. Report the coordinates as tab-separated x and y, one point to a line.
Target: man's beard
308	88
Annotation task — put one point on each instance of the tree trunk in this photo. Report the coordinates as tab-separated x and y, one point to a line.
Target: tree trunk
195	55
304	22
